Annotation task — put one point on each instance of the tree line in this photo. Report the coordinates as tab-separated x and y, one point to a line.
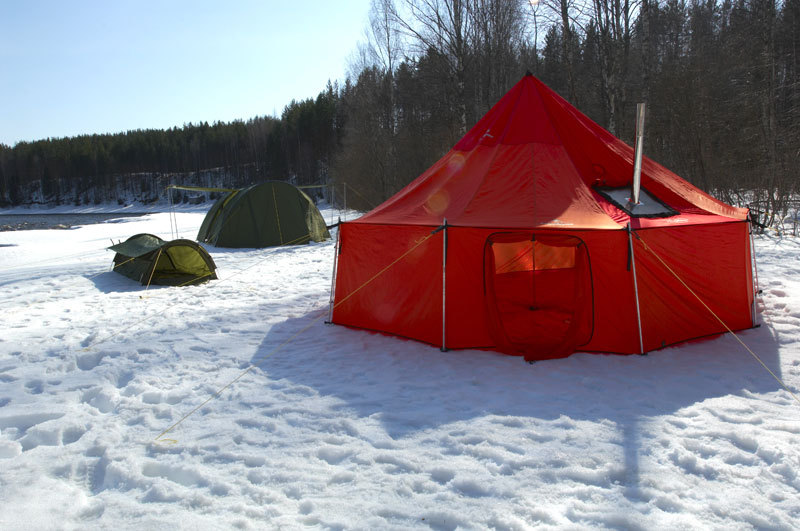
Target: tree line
140	164
721	79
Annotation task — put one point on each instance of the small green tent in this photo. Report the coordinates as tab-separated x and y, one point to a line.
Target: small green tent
150	260
263	215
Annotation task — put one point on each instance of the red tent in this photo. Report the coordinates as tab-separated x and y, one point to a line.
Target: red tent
541	253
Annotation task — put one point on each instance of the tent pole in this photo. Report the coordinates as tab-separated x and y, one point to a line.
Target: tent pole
169	198
331	192
635	289
444	284
533	272
754	267
333	276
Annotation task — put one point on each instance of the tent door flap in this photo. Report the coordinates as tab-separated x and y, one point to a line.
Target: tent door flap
538	293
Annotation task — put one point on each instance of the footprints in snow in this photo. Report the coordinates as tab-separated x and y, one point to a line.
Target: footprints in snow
87	362
31	430
34	387
333	455
777	292
90	360
99	398
183	476
124	379
158	397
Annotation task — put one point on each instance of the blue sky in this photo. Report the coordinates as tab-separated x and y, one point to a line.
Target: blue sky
82	67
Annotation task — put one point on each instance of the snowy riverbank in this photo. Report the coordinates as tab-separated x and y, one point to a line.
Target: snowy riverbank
347	429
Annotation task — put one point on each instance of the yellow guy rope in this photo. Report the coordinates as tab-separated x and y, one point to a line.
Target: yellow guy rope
696	296
53	259
155	265
286	342
112	268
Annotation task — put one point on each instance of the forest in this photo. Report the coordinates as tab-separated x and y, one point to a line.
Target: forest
721	79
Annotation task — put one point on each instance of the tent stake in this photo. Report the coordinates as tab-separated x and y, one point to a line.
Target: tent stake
444	284
635	289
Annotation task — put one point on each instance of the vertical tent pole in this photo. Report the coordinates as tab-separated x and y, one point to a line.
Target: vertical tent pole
754	266
444	284
331	200
344	188
171	214
335	264
533	272
635	289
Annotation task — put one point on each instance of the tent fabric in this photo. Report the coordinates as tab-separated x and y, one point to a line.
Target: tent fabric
150	260
538	294
263	215
539	263
549	158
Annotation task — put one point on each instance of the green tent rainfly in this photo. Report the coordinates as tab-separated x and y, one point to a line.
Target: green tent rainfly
264	215
150	260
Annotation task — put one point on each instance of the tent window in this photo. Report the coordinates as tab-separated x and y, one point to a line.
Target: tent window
649	205
518	256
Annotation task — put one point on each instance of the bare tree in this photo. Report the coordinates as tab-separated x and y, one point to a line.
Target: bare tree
613	21
383	35
445	27
568	44
499	33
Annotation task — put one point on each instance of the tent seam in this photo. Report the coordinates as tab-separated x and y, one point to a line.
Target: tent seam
494	154
569	155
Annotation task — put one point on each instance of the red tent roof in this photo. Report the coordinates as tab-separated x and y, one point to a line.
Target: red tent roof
534	160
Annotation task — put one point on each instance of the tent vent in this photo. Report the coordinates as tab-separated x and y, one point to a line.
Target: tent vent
648	206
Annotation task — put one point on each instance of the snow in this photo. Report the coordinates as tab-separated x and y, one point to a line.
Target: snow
344	429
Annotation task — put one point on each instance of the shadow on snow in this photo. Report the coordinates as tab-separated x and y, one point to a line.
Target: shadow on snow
373	373
411	386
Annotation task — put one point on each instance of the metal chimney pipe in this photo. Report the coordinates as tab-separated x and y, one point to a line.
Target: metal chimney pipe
637	162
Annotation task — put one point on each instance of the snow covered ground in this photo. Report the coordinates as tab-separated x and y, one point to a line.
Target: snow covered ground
345	429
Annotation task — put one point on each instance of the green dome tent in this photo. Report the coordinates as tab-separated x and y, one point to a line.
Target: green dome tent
263	215
150	260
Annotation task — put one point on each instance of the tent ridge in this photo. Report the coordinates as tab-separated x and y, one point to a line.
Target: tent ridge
551	118
508	123
495	150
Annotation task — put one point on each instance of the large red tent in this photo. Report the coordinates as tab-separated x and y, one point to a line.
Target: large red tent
541	253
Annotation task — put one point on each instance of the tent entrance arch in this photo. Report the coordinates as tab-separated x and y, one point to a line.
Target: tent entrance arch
538	293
